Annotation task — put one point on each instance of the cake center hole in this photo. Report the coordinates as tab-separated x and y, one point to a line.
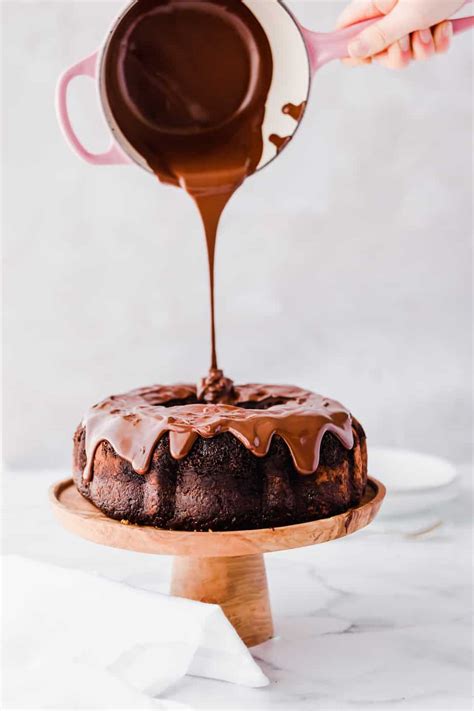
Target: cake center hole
250	405
263	404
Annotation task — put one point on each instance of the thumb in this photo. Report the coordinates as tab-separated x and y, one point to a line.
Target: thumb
381	34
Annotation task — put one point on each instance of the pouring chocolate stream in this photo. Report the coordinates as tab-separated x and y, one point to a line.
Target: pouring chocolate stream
197	128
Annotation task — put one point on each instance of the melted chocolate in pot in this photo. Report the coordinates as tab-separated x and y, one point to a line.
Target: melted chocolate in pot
187	82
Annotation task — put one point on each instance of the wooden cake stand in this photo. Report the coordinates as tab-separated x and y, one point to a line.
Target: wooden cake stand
222	567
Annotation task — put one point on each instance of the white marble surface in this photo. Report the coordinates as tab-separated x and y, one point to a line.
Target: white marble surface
380	620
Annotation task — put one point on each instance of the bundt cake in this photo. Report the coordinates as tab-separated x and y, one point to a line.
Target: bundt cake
270	455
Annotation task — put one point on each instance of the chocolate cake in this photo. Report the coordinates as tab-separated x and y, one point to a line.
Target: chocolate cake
267	456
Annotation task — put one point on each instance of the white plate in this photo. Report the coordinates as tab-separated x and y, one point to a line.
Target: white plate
415	482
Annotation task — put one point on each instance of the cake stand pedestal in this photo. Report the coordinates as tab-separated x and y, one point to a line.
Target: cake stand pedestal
222	567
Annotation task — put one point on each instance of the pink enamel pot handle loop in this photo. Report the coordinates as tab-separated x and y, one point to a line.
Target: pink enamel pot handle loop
87	67
323	47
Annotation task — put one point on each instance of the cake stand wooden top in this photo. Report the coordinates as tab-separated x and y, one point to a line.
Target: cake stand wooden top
79	516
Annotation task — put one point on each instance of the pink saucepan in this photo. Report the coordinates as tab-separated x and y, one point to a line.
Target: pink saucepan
297	54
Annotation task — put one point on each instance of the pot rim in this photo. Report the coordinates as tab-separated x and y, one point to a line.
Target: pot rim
113	125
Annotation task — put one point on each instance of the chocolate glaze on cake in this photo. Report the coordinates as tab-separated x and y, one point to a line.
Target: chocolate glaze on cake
134	422
276	455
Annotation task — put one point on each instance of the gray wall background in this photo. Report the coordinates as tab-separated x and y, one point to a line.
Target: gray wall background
343	267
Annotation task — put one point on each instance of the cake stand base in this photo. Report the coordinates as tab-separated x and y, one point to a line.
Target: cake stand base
237	584
221	567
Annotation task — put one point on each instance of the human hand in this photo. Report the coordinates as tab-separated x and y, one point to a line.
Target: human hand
409	29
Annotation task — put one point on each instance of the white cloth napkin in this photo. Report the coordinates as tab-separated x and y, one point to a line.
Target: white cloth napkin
77	640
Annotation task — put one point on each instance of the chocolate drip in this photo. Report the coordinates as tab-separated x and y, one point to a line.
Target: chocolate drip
296	111
134	422
279	141
187	82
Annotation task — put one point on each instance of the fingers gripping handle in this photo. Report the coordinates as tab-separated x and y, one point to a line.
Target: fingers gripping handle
323	47
87	67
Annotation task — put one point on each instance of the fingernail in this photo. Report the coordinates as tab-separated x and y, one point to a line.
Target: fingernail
447	30
358	48
425	36
404	43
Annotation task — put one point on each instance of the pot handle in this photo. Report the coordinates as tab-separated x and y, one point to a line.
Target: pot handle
323	47
114	155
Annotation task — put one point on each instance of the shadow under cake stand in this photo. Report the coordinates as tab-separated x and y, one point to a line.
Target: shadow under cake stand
222	567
